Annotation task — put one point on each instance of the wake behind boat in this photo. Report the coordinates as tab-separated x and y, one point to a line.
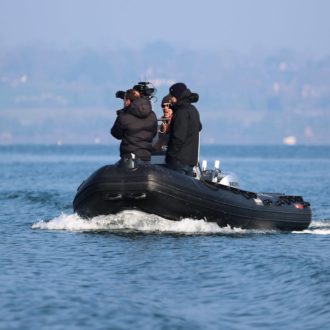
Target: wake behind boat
209	195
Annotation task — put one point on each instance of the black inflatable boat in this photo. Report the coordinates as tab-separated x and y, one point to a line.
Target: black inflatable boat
158	190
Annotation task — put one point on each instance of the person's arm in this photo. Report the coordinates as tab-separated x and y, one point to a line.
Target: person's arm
179	130
117	129
155	125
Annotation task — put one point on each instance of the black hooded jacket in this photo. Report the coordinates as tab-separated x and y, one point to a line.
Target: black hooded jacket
184	131
136	126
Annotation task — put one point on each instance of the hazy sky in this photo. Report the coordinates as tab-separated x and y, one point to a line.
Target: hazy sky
205	24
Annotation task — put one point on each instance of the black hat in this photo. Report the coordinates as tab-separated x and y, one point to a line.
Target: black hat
177	89
166	99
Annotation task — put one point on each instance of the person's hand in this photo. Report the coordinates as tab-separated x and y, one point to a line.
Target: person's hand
164	128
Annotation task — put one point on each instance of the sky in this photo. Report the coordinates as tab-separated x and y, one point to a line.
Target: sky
239	25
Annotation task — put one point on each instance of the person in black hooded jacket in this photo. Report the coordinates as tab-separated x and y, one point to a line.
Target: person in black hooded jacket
182	151
135	126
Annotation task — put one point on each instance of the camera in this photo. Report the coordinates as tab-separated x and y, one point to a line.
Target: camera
146	89
120	94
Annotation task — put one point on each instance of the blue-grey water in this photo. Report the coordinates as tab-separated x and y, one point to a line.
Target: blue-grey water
139	271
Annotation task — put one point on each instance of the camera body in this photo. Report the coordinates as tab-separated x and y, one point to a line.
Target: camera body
146	90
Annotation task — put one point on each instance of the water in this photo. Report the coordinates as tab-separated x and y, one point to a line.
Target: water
134	270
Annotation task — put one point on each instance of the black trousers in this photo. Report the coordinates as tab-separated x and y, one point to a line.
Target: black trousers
176	165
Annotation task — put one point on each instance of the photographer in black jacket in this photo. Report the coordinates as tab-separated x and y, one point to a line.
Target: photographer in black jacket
182	151
135	126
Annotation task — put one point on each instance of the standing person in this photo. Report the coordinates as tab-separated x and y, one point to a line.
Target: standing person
135	126
183	145
162	136
167	114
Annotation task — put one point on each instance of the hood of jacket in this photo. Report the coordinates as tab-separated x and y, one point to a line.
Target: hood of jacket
140	108
186	98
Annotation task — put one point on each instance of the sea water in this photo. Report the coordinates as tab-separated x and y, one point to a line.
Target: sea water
139	271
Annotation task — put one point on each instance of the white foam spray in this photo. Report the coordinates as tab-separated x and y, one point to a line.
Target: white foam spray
317	227
137	221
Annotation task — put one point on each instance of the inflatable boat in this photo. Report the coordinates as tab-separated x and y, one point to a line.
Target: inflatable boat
209	195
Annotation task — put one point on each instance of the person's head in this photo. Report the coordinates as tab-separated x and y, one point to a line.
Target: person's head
166	106
176	91
130	96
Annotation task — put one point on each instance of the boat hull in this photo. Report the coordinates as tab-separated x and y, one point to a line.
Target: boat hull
171	195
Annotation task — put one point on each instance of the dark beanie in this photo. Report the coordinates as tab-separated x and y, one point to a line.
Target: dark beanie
177	89
166	99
